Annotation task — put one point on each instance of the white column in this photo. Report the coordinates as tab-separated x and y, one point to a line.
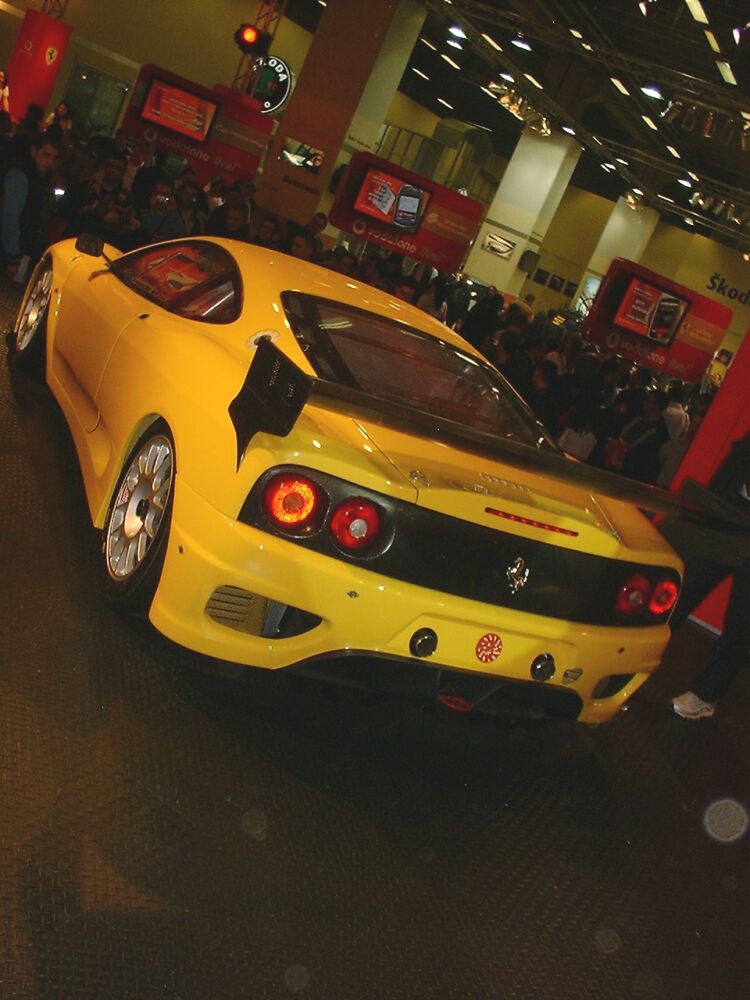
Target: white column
626	234
522	209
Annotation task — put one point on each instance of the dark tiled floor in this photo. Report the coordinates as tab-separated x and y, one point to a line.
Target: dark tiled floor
169	832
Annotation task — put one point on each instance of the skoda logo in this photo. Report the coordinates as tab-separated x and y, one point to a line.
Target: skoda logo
517	575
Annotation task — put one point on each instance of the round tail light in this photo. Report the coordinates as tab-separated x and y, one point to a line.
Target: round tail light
355	524
293	503
663	597
634	595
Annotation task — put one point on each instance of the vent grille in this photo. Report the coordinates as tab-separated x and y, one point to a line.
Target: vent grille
238	609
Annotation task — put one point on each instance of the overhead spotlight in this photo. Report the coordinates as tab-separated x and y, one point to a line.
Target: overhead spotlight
689	221
685	182
708	125
521	43
457	31
454	43
738	216
672	111
651	91
745	137
569	130
701	201
719	207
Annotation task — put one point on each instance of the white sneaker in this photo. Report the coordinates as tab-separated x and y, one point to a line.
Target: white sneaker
690	706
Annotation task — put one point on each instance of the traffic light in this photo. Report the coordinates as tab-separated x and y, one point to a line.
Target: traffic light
252	40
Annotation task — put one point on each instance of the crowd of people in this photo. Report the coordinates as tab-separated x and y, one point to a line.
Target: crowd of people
57	185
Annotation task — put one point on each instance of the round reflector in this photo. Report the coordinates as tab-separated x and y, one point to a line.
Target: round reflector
355	524
634	595
291	502
664	597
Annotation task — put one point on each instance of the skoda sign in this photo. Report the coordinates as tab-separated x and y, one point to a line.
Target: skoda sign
274	84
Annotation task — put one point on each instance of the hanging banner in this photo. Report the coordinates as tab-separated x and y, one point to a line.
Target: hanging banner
35	61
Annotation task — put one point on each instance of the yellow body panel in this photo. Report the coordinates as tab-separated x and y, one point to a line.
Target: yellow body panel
149	363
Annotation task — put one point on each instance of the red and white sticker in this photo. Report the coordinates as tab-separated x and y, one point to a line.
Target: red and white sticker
489	647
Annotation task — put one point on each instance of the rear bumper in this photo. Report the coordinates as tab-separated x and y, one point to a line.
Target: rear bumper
365	612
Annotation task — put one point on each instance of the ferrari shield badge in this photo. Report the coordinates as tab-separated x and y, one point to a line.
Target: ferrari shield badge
517	575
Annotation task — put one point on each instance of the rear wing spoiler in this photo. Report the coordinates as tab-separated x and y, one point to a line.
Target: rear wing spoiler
275	392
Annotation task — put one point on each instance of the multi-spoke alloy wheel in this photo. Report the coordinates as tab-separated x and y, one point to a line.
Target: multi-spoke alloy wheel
138	521
31	325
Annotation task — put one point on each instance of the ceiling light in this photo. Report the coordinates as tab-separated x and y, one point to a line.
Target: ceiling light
441	101
726	72
674	152
508	77
689	221
589	48
619	159
651	91
696	9
695	177
685	182
569	130
449	61
620	86
491	41
454	43
531	79
664	197
597	139
711	39
608	166
575	33
638	192
650	124
428	44
521	43
489	92
419	73
477	125
457	30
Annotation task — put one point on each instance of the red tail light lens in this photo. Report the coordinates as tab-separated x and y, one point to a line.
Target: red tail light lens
355	524
634	595
293	503
664	597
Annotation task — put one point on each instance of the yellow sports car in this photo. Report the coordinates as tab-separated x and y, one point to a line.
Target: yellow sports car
293	469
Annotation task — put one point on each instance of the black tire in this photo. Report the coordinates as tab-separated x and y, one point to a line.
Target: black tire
136	528
29	340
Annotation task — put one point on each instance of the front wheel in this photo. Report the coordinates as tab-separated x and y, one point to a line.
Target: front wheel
136	528
30	331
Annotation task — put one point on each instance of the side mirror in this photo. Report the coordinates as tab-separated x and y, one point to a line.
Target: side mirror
89	244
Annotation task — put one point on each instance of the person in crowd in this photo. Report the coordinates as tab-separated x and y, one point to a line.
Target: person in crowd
315	227
643	439
544	399
28	205
6	136
87	203
578	438
145	178
303	245
673	451
4	92
433	300
238	222
189	176
185	218
372	270
483	319
458	299
268	234
527	304
730	653
343	261
117	222
216	193
564	356
60	117
406	290
153	218
675	415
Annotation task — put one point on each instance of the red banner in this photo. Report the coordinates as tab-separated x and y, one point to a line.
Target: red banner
396	209
219	132
646	317
35	61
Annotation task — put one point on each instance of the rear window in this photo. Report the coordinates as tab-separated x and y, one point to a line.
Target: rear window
396	362
197	280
